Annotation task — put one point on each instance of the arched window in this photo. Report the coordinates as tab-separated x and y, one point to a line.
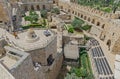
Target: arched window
50	60
89	19
103	26
85	17
38	7
109	43
44	7
26	8
32	7
81	16
98	23
93	21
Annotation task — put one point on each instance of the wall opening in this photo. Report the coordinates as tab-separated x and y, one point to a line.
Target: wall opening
93	21
44	7
109	44
98	23
103	26
89	19
32	7
38	7
26	8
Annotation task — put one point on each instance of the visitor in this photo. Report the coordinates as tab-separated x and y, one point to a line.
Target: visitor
15	35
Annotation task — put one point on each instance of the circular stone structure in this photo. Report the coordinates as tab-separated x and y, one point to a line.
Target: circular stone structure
31	36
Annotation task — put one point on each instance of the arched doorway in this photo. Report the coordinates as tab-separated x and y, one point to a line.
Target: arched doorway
26	8
38	7
44	7
103	26
81	16
32	7
93	21
109	44
89	19
85	17
98	23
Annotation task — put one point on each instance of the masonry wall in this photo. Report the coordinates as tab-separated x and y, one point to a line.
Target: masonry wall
41	55
55	67
24	70
103	26
4	73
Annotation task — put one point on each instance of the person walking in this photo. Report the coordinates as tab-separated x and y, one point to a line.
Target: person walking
15	35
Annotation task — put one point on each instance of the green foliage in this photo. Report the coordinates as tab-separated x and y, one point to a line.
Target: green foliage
99	4
72	76
43	13
33	17
55	10
77	23
86	37
70	29
84	71
86	27
33	26
106	9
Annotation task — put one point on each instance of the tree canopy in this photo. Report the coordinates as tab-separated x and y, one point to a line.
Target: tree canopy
77	23
43	13
32	17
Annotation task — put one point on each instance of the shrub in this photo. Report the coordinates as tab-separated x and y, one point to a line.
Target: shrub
55	10
32	17
43	13
77	23
86	27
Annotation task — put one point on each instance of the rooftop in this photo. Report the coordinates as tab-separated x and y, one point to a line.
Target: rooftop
23	44
13	57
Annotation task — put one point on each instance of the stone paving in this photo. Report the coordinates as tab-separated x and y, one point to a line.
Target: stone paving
109	56
21	43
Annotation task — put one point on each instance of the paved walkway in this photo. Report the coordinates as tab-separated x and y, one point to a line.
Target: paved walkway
110	57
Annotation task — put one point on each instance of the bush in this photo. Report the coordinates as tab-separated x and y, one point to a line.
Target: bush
86	27
55	10
32	25
106	9
32	17
77	23
43	13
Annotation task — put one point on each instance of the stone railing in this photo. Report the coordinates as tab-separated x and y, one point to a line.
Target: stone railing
88	9
4	73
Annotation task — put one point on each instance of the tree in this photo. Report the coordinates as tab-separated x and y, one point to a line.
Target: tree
33	17
115	5
55	10
77	23
43	13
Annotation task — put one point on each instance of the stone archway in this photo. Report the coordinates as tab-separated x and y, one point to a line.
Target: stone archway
85	17
89	19
108	44
93	21
32	7
81	15
44	7
26	8
38	7
103	26
98	23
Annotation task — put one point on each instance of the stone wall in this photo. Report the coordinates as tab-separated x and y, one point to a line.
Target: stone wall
67	39
41	55
55	67
25	70
103	25
2	44
4	73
